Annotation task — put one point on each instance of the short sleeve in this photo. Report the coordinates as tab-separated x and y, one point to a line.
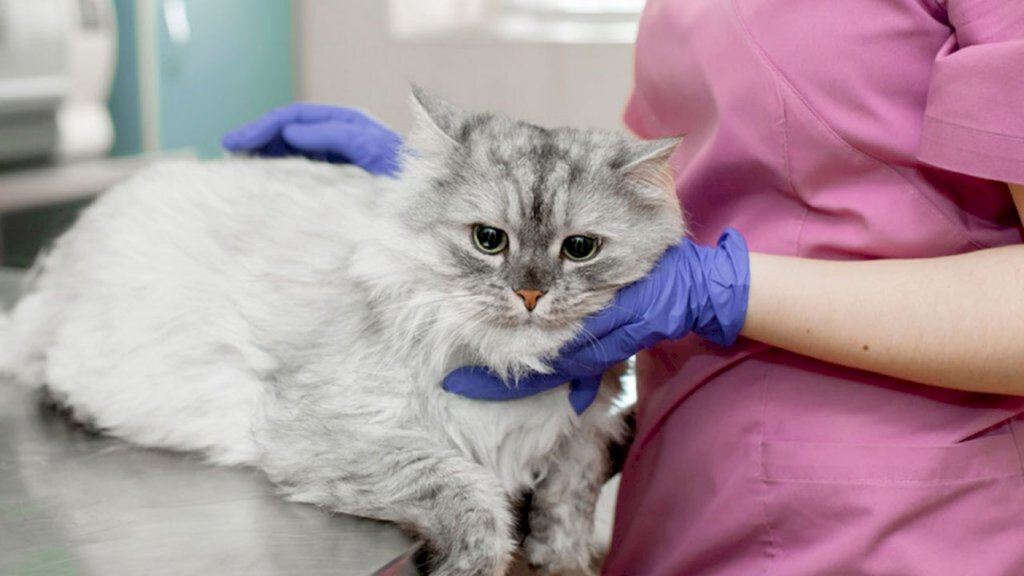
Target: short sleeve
974	118
640	119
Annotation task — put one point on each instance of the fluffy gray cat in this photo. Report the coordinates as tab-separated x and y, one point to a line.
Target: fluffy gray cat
299	317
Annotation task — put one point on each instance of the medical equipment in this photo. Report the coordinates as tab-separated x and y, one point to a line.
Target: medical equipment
57	63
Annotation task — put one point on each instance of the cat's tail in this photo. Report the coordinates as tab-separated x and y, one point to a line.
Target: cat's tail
24	332
5	336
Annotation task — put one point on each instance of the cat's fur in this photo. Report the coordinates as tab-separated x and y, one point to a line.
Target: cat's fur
299	317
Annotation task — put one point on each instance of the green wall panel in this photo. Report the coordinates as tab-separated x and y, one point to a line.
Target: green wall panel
235	65
124	95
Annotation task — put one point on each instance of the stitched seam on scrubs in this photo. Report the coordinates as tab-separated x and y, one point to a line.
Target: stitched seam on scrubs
641	441
906	183
1016	444
774	546
938	11
972	129
789	170
896	482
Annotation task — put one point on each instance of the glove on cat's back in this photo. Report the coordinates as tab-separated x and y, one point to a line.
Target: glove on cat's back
328	133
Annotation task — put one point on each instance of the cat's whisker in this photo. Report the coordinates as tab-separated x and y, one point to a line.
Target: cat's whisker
594	341
590	337
419	301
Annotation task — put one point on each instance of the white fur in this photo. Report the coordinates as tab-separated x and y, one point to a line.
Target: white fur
300	317
163	312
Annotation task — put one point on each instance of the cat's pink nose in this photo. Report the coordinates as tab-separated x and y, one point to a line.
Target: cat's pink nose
530	298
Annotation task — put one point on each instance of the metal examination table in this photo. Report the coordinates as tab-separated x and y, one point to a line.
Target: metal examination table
72	503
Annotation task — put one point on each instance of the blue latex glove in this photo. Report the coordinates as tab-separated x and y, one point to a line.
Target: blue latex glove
693	288
328	133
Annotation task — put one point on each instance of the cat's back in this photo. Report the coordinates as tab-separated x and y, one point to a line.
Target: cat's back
216	217
247	186
208	251
233	196
172	281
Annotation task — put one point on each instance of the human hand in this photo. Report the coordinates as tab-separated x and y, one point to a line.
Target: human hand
693	288
328	133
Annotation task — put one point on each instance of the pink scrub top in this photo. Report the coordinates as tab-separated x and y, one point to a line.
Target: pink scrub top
831	129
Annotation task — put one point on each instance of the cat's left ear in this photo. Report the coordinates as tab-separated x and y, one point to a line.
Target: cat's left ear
649	163
435	122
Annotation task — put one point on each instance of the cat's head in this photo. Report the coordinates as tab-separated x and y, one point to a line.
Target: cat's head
524	231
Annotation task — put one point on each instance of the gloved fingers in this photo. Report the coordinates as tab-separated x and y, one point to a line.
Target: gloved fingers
597	356
254	135
315	113
260	132
583	392
373	148
376	151
634	301
598	325
323	137
481	384
276	148
248	138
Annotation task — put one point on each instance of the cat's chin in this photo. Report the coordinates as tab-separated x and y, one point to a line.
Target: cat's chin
514	317
516	350
537	321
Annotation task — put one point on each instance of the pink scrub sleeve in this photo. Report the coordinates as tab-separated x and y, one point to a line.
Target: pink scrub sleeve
974	120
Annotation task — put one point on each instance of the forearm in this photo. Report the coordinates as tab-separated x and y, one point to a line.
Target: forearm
955	322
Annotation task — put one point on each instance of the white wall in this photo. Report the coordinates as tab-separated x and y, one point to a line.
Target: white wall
346	55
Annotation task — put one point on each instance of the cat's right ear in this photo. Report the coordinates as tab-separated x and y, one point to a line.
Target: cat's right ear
435	122
649	165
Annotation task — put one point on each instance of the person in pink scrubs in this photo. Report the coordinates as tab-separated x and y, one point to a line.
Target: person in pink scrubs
867	152
869	420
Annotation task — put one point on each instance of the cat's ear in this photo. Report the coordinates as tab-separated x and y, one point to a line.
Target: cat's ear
648	163
435	122
653	152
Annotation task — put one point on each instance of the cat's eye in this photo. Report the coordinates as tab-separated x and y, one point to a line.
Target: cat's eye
489	240
580	248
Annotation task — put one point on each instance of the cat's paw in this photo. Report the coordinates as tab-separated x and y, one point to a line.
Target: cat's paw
477	544
433	562
468	565
559	556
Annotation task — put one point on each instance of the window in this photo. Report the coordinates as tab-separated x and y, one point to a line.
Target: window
589	7
547	21
569	21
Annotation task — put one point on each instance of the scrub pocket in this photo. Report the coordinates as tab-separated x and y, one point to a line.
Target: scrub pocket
900	510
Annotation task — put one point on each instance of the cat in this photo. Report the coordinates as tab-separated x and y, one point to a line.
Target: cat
299	317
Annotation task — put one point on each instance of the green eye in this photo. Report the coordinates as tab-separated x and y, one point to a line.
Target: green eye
580	248
489	240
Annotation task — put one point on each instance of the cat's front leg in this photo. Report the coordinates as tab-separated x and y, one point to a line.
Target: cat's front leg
561	519
456	506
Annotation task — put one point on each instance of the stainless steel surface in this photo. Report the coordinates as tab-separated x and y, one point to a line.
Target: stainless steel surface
404	565
71	503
